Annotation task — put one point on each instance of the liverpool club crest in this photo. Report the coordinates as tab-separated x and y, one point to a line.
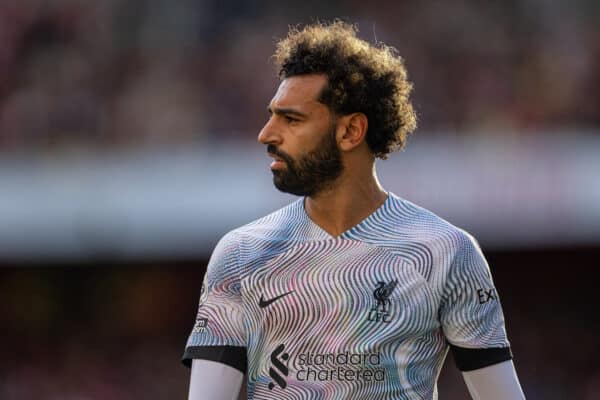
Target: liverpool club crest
380	310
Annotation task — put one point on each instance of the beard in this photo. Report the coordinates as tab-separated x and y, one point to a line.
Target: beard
313	172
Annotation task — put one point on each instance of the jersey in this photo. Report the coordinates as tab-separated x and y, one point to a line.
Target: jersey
368	314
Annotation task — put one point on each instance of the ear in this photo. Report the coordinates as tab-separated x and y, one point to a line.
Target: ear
352	130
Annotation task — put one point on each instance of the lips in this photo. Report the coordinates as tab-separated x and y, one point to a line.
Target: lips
280	159
277	163
276	157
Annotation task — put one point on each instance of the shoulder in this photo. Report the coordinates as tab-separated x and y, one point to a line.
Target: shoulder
457	247
446	253
280	221
263	238
422	225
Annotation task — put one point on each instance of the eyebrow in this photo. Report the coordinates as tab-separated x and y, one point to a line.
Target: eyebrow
286	111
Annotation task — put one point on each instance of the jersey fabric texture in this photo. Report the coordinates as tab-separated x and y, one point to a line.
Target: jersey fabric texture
368	314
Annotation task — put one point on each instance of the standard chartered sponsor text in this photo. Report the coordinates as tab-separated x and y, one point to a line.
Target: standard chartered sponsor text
344	366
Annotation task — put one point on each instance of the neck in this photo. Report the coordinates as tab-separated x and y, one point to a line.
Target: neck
348	202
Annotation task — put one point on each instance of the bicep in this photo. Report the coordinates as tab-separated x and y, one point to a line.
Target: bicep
219	331
470	312
495	382
214	381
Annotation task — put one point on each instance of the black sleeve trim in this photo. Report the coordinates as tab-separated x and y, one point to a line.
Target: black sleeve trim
471	359
234	356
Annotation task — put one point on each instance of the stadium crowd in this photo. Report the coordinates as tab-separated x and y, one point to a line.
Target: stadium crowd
143	72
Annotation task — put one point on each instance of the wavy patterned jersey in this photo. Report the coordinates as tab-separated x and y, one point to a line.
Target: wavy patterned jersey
369	314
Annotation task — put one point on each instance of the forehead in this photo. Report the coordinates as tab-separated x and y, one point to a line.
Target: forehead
298	91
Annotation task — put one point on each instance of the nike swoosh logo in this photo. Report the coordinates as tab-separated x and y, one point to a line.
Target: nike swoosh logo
262	303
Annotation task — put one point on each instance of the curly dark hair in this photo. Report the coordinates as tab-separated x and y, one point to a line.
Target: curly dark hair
361	78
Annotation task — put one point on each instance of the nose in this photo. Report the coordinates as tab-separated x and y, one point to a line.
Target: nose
268	134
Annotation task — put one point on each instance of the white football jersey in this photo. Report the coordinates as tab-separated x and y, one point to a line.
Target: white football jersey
368	314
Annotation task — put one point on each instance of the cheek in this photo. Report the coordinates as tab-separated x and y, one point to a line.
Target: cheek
294	145
303	137
307	136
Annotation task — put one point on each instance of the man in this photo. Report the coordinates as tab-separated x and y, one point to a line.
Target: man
350	292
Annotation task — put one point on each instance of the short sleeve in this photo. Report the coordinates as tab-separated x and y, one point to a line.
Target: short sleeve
471	314
218	333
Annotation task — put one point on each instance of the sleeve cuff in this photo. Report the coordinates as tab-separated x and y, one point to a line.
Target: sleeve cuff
234	356
472	359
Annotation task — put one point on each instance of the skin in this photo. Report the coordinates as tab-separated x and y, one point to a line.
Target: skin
298	121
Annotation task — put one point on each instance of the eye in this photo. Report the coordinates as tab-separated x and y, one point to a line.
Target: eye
290	119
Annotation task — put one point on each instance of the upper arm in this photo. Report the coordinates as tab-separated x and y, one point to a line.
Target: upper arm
219	333
495	382
471	314
215	381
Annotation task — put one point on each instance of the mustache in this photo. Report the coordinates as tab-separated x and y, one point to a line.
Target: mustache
271	149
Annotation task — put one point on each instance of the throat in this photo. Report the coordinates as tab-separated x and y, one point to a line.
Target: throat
337	216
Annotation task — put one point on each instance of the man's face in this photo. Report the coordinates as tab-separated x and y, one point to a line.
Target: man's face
301	137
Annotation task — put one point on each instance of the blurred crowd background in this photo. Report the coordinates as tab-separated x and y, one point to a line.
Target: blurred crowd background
120	77
122	73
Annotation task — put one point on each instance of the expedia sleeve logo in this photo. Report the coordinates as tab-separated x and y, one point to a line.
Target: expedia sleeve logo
485	295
